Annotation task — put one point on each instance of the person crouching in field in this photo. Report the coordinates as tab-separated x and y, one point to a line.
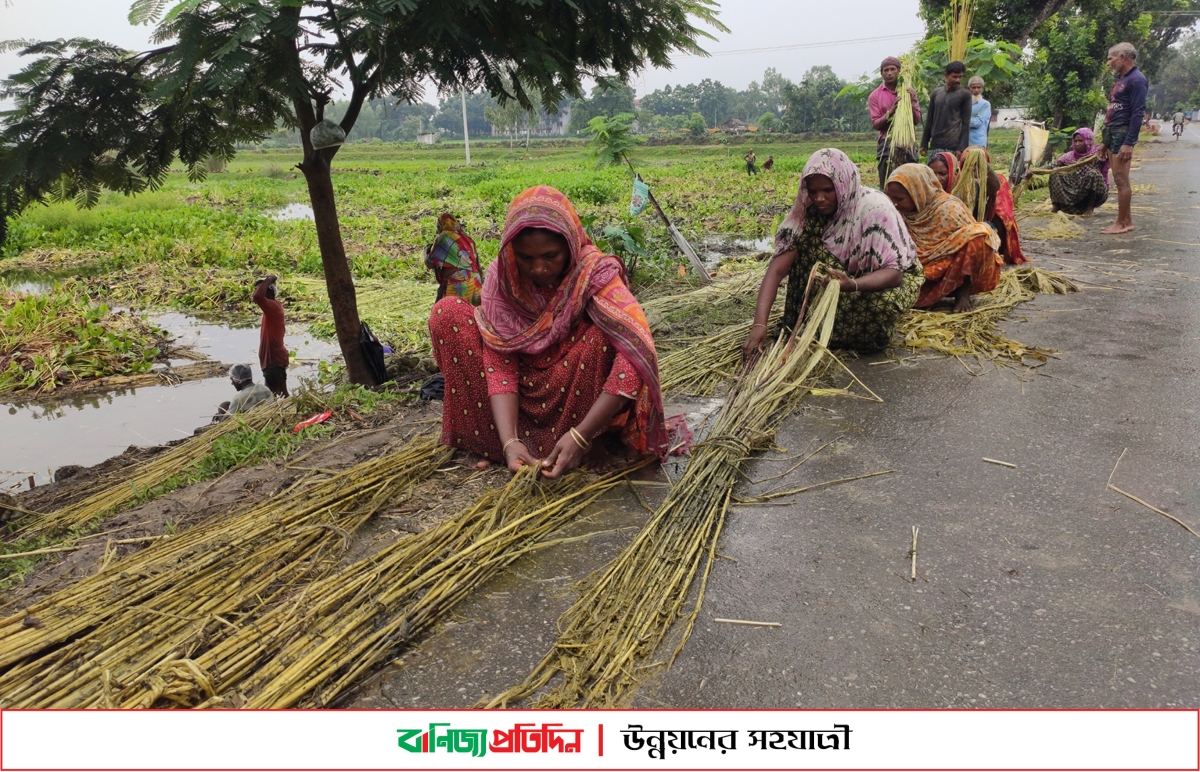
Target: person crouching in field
859	235
958	254
982	189
272	353
557	355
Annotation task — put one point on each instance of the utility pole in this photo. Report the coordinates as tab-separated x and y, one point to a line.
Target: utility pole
466	137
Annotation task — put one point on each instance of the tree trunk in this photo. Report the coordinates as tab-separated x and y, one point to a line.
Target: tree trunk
338	282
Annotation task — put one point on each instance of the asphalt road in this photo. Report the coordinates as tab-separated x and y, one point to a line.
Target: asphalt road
1039	586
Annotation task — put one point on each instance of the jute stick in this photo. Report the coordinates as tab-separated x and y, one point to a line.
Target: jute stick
913	553
748	622
1128	495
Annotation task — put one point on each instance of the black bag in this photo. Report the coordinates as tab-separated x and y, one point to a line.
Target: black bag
434	387
373	352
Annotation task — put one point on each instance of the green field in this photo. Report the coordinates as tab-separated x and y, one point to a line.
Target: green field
196	246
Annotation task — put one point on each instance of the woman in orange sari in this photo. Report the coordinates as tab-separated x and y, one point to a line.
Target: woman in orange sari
557	354
958	254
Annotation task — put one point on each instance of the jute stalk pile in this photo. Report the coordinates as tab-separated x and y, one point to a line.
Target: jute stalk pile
974	334
313	645
130	483
701	367
76	647
627	612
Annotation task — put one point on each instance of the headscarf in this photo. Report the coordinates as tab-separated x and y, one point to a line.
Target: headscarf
866	232
941	225
951	164
454	248
1003	206
1089	140
892	61
515	317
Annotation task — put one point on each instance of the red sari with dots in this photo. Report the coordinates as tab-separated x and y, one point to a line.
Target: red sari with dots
557	349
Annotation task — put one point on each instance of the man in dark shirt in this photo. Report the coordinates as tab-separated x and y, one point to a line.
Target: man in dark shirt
948	119
272	354
1122	122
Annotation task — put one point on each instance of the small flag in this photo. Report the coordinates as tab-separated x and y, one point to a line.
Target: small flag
641	196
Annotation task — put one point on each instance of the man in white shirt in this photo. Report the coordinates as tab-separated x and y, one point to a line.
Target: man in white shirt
248	394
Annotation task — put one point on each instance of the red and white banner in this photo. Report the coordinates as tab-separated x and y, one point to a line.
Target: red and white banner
600	740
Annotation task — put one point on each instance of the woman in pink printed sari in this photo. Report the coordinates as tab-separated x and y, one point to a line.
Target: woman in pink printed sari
557	354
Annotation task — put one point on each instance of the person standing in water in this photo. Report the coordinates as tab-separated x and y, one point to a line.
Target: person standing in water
272	353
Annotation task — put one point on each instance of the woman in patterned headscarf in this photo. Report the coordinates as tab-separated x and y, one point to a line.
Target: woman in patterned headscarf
1080	190
957	253
557	354
854	230
453	260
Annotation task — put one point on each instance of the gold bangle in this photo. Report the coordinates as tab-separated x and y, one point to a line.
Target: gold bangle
855	283
504	449
580	440
758	324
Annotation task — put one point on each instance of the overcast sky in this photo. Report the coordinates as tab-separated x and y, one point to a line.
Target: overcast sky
753	24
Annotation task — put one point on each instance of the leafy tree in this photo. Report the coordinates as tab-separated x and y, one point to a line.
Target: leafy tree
89	115
768	122
608	99
696	125
1178	81
449	116
714	101
1064	75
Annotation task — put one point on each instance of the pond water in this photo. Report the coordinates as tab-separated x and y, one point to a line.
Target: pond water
292	212
715	248
39	437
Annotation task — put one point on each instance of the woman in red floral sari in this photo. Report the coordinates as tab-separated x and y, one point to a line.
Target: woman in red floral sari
557	354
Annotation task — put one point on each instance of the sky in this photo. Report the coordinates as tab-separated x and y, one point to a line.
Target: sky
796	29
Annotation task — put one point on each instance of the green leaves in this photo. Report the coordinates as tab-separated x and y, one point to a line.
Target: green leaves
613	140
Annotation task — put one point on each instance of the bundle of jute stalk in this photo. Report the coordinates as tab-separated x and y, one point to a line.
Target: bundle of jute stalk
699	368
971	184
958	28
974	334
626	613
903	132
314	644
194	589
695	302
130	483
1033	177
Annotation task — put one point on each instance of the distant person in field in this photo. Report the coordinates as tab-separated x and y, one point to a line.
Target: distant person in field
1079	191
948	119
557	356
272	353
248	394
881	105
855	232
769	163
751	160
980	187
981	112
1122	122
454	260
959	255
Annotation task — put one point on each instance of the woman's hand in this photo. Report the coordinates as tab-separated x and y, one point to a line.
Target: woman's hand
845	283
516	455
565	456
754	342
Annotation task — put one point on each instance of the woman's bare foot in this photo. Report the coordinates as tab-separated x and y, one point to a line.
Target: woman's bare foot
963	304
1088	213
477	462
1117	228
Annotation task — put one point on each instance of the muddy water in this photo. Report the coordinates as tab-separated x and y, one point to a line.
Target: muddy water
715	248
37	438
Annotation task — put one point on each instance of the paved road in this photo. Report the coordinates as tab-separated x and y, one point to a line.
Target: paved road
1039	586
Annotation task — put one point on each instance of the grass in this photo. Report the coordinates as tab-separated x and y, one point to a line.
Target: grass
196	246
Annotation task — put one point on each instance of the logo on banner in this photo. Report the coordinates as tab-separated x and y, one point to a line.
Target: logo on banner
522	738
